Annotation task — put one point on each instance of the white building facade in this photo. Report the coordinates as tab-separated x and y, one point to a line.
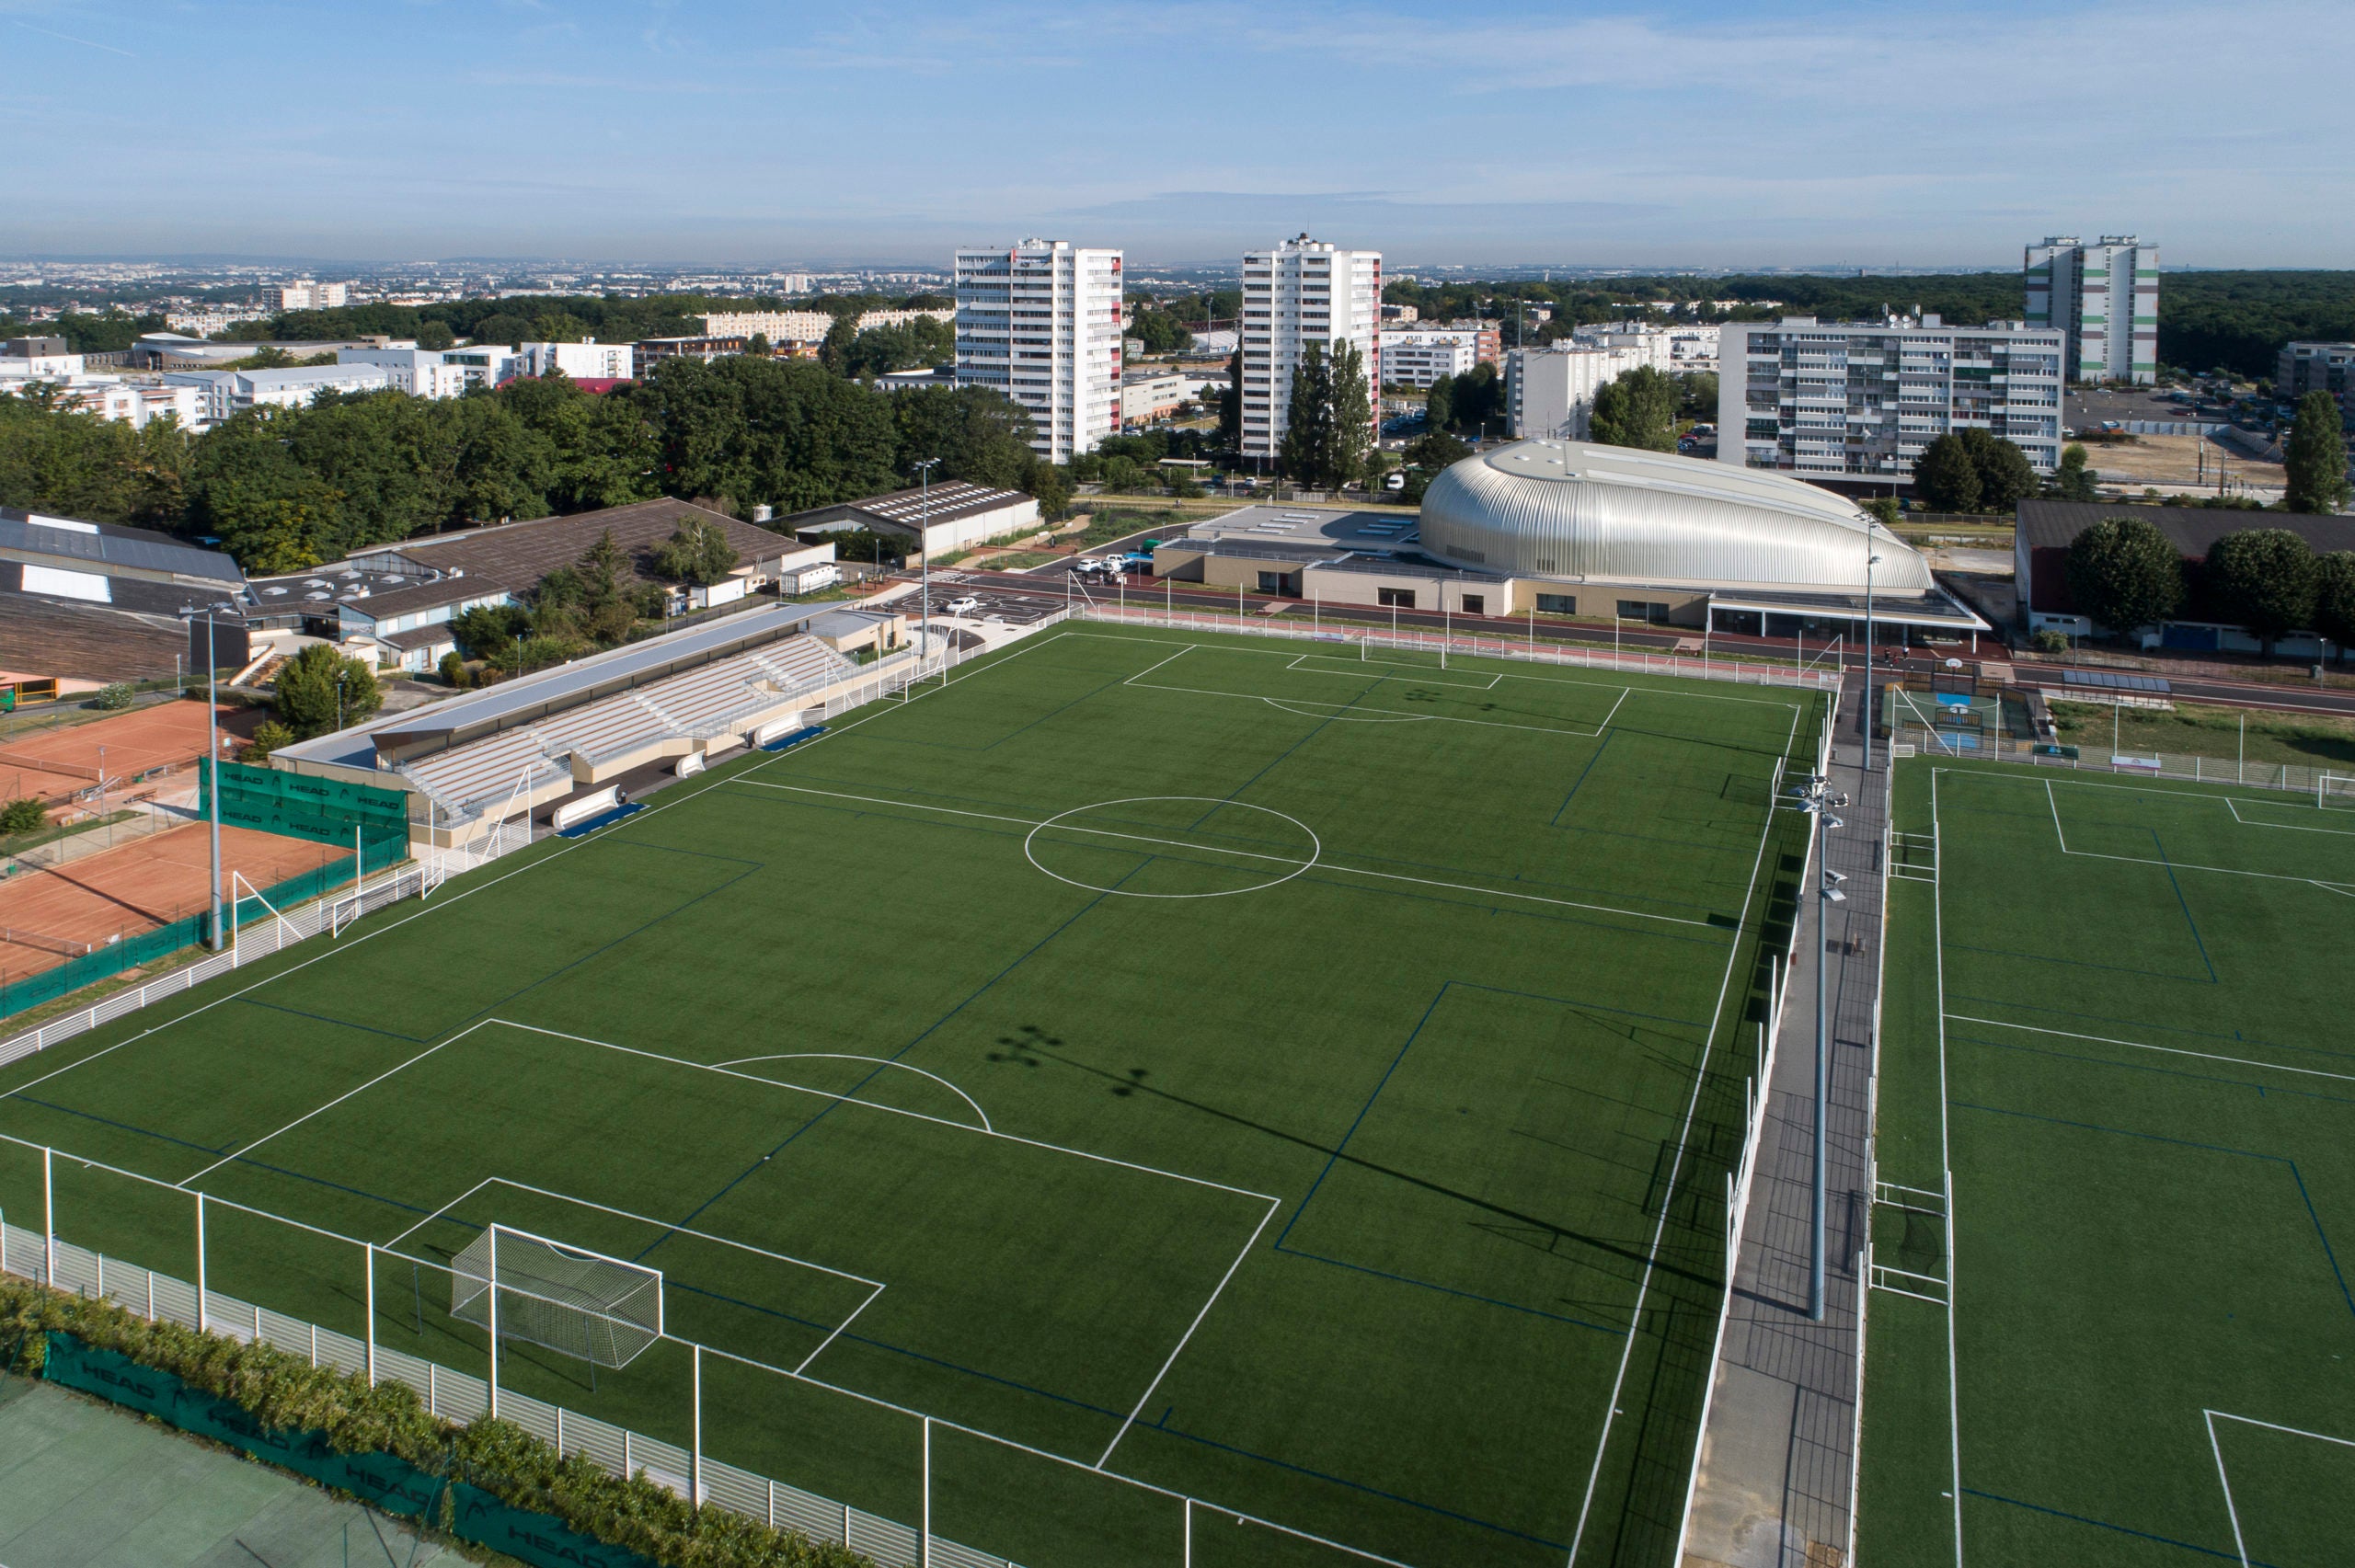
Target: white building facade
1549	391
1303	291
228	391
590	360
2104	298
1419	356
1040	322
1687	350
1860	400
307	294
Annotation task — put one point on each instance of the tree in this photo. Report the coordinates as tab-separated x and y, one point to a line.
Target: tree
1435	450
1308	416
2335	598
696	554
2263	578
1697	396
1051	486
833	351
1883	509
2074	482
1637	408
1352	425
760	346
24	815
454	669
269	735
1946	477
2005	475
1230	405
308	692
2124	574
1438	404
2314	464
435	334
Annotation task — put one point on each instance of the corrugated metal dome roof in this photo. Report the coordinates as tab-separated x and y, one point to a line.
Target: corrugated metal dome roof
1573	510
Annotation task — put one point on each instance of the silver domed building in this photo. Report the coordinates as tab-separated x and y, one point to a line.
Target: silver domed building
1571	510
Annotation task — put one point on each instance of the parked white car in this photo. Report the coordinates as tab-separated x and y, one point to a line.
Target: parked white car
964	605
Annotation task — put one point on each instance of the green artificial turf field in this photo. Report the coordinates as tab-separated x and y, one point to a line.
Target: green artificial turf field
2117	1010
1300	1083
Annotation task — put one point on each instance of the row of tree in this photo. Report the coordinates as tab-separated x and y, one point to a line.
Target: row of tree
284	489
2126	575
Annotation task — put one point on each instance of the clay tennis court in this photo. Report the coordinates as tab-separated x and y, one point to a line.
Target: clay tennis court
53	765
135	886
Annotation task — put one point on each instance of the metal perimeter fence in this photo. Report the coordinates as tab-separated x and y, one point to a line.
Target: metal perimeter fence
1105	1506
1924	741
1527	650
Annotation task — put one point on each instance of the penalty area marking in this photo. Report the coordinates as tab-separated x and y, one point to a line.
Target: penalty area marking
879	1061
1316	845
2232	1510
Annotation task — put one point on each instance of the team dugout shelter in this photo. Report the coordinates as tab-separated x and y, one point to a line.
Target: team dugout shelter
554	747
1569	528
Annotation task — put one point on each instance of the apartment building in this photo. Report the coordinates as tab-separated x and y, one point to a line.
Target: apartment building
1040	322
1684	350
590	360
228	391
1303	291
307	294
1418	356
2317	366
1859	401
807	326
1549	391
2104	298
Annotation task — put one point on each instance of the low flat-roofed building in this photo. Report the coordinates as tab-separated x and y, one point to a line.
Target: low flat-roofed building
954	516
519	750
96	602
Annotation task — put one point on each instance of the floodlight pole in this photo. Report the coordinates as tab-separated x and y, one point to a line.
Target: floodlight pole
1822	1080
493	1321
924	636
213	937
1870	559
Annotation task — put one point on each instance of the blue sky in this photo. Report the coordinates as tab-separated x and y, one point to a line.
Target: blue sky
1704	133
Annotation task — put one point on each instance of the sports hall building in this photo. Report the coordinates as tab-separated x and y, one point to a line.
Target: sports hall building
1566	528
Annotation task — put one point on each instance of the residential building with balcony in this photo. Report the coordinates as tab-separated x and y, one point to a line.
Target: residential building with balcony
1418	356
1040	322
2318	367
1857	402
1303	291
2104	298
1549	391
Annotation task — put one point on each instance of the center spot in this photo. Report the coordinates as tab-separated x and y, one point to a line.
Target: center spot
1172	846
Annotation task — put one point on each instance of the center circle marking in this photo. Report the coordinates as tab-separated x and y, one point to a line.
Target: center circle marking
1316	845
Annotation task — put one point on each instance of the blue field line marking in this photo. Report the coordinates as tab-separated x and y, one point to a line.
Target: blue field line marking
2237	1037
120	1126
2182	903
1334	1158
2106	1525
1341	882
927	1033
2083	964
340	1023
1051	713
2329	1253
1555	821
1322	724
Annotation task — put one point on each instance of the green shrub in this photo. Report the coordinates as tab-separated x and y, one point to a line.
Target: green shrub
117	695
285	1391
453	669
24	815
2050	641
269	735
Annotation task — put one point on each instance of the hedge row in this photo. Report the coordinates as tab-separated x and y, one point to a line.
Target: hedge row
286	1391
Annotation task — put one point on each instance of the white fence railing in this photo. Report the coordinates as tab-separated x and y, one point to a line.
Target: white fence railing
459	1397
2323	784
1526	650
259	939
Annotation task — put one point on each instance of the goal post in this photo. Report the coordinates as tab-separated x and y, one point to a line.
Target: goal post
2334	792
565	1298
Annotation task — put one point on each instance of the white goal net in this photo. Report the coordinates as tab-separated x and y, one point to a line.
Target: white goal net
567	1299
2334	792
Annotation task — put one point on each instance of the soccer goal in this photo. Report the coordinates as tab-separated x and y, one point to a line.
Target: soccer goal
2334	792
568	1299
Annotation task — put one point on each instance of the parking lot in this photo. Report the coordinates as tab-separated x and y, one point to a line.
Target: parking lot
1015	609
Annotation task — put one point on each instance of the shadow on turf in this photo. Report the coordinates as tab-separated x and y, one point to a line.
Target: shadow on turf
1035	1043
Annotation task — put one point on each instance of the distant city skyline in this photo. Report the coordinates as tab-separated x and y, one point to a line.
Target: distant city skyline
1769	133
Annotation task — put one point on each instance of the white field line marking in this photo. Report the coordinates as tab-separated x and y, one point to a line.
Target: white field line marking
2343	892
1488	685
2054	801
1242	854
2232	1510
1366	708
1946	1152
2148	860
2276	1427
383	927
438	1213
331	1104
891	1111
1156	664
803	1364
2170	1050
1180	1348
678	1230
2234	807
1307	709
1676	1165
1674	686
879	1061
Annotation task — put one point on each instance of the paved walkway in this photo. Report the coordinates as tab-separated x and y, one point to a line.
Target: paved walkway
83	1485
1777	1457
